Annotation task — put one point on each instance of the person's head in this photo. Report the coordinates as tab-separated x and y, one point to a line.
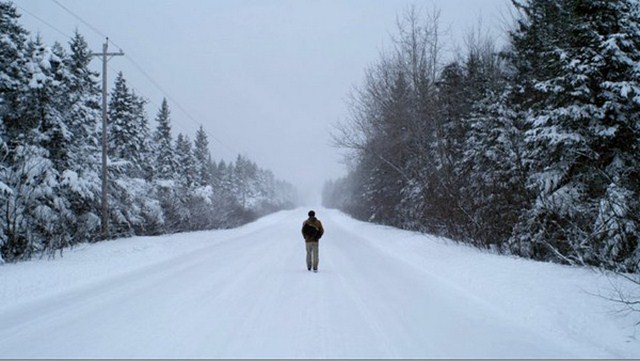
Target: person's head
312	214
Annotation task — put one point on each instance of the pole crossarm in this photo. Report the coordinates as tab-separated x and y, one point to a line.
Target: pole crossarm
106	56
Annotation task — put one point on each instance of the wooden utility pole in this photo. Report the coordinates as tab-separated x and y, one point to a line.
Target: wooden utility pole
105	206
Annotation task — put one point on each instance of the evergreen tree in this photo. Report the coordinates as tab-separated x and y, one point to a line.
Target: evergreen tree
34	213
50	100
445	151
494	170
617	227
185	185
186	162
80	181
120	129
13	77
223	178
165	155
202	158
143	155
245	173
83	108
129	131
581	136
131	165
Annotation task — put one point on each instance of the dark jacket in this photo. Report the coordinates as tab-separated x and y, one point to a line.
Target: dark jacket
315	222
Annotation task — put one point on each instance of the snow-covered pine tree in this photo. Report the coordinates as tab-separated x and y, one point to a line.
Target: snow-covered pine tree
243	173
224	201
166	168
494	170
13	40
577	61
203	192
81	179
54	126
142	158
616	27
185	183
29	214
445	151
129	133
186	162
34	210
120	129
83	110
14	242
220	170
165	155
120	134
202	157
491	172
13	59
133	203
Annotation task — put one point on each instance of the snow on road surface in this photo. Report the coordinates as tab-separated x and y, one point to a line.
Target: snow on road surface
246	293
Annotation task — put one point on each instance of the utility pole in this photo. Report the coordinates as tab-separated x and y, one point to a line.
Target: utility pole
105	206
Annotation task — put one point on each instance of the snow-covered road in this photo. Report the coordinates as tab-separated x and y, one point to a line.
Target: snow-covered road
246	293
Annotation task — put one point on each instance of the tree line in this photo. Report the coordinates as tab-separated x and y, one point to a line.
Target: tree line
50	157
532	149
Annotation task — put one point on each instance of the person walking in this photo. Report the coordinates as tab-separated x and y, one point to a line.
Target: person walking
312	231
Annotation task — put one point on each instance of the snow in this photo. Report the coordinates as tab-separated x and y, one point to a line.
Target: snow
5	189
204	193
84	186
246	293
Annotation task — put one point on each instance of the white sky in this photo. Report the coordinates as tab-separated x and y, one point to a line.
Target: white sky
267	79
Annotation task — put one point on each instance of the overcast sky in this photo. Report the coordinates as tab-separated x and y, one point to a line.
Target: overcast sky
266	79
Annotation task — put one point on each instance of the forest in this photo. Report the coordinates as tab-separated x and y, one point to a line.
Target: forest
50	157
528	148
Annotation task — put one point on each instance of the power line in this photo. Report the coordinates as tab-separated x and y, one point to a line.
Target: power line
138	67
114	72
166	94
111	69
157	105
80	19
146	75
44	22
